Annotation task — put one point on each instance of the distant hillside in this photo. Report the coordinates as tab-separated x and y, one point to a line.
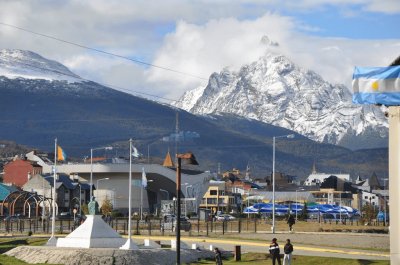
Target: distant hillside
83	115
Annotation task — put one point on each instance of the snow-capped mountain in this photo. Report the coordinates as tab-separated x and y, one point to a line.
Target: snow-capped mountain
276	91
30	65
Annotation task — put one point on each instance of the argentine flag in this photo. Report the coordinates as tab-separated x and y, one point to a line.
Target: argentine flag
144	179
376	85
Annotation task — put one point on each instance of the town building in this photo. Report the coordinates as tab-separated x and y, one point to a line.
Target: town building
115	178
218	198
71	192
18	171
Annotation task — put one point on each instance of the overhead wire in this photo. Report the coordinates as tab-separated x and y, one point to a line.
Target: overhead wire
100	83
102	51
107	53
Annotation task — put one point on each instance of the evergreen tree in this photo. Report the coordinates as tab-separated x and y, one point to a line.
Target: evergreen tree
106	207
303	215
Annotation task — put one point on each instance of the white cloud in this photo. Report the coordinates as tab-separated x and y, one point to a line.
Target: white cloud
230	42
203	36
201	50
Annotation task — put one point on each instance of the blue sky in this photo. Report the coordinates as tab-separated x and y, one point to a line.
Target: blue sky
203	36
369	25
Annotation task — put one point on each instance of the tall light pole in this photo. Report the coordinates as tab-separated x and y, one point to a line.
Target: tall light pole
384	200
91	165
44	196
97	186
296	206
186	188
98	189
165	192
189	157
273	176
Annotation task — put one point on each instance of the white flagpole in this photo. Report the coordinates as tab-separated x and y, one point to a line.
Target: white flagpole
129	243
394	183
53	240
141	200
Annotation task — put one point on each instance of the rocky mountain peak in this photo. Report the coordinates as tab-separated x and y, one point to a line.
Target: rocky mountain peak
276	91
16	63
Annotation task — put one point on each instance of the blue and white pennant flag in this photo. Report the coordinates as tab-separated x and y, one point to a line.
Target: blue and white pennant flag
376	85
144	179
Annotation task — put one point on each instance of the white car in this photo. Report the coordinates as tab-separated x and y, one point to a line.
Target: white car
225	217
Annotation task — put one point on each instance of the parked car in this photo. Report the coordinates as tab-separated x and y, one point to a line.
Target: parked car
171	223
225	217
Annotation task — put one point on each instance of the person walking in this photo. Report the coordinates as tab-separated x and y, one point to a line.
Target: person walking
287	249
291	222
218	256
275	252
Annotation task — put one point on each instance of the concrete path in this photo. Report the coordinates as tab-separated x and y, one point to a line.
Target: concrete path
262	247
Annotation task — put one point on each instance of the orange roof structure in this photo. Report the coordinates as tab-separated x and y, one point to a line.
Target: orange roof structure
168	161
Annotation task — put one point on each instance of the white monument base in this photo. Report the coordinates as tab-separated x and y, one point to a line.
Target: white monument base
52	242
93	233
151	243
183	244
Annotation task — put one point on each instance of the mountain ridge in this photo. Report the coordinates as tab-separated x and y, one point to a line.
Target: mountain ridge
84	114
276	91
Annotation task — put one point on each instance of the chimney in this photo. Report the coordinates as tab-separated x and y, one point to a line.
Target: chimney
74	177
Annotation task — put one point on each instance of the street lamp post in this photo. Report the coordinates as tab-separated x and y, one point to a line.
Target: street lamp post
297	204
165	192
273	177
384	201
189	157
187	196
98	189
97	186
44	196
91	165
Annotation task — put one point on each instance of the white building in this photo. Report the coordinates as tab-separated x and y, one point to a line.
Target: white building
114	183
315	179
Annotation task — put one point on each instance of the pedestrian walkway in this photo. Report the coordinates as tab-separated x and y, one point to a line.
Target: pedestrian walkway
262	247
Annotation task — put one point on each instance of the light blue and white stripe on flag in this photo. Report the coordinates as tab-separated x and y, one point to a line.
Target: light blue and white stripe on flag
144	179
376	85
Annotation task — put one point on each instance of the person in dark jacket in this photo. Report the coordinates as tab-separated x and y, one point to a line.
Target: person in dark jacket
287	249
218	256
274	251
291	222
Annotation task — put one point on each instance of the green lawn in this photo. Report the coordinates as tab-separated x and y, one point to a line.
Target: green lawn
262	259
248	258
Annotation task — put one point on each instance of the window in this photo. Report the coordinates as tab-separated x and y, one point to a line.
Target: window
366	197
213	192
373	197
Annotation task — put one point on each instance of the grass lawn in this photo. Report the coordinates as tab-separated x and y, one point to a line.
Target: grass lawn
262	259
247	258
9	243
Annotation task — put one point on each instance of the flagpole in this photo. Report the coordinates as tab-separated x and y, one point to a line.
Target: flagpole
129	243
141	199
53	240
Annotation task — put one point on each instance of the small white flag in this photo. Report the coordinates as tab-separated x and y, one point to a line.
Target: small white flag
135	153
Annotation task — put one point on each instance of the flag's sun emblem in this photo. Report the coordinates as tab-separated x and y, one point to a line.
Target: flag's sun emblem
375	85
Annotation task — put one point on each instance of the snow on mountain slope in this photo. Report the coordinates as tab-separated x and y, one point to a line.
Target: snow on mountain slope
276	91
29	65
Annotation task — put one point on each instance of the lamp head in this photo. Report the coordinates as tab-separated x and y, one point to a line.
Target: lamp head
290	136
189	158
